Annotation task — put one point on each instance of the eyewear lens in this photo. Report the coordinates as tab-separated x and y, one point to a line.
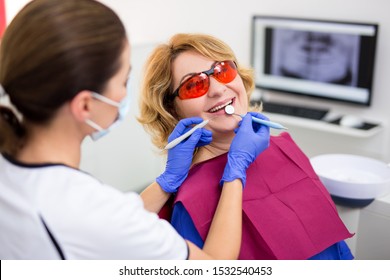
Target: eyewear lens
198	84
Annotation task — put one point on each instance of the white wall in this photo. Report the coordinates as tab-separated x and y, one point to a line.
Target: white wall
125	157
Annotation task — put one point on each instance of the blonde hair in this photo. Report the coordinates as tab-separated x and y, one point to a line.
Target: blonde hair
157	111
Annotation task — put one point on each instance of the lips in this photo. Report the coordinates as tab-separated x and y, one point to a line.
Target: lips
220	106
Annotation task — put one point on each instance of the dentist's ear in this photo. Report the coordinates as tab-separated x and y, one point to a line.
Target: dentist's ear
80	105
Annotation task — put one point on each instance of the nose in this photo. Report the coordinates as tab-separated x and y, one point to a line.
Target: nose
216	88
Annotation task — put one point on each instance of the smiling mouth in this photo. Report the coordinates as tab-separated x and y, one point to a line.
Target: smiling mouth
220	107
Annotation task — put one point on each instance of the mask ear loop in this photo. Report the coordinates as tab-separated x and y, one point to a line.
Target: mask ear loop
105	99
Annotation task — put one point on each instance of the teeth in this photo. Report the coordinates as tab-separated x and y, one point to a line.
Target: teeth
215	109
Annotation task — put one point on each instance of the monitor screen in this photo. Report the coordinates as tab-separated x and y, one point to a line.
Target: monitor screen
316	58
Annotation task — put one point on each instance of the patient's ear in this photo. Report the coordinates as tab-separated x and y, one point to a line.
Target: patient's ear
80	105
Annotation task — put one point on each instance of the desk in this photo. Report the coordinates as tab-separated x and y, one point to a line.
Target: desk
322	125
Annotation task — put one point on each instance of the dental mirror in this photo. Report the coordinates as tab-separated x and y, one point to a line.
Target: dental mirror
229	109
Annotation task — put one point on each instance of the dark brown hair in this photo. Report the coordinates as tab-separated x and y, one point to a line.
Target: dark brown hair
52	50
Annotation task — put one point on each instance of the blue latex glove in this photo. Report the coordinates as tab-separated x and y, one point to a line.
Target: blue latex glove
180	157
251	139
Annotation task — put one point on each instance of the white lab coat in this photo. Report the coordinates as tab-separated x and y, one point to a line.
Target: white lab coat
87	219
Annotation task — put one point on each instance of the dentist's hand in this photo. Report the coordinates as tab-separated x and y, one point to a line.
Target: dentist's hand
180	156
251	139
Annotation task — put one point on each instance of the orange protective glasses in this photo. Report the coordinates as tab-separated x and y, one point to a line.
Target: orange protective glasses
198	84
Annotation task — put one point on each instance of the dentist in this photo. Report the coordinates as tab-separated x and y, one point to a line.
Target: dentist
63	68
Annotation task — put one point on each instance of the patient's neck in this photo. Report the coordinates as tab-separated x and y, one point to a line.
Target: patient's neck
219	145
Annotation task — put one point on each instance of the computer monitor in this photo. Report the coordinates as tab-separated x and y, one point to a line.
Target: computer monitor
315	58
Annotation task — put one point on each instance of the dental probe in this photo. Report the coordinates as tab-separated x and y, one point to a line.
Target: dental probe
229	109
177	140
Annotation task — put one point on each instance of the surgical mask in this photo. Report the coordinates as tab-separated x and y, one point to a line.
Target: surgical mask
123	108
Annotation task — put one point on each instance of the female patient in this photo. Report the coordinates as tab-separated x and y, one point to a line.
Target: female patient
287	212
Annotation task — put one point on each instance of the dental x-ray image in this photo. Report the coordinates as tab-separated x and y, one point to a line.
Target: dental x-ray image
317	56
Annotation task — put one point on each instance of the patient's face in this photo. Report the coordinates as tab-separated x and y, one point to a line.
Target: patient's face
218	95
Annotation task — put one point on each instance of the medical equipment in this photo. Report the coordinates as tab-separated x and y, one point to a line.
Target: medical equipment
178	140
352	180
230	111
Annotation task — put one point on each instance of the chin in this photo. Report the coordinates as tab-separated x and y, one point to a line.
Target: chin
225	125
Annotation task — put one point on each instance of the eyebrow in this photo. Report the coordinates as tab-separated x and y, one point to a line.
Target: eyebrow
189	75
129	71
